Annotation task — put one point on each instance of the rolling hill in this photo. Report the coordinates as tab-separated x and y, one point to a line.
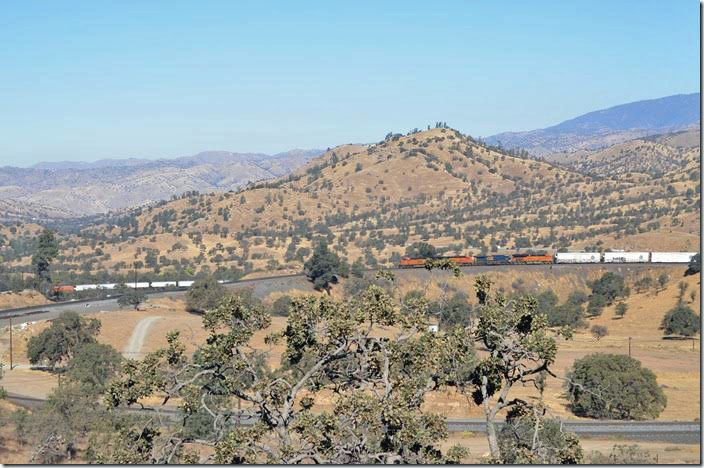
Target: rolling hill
371	201
78	188
606	127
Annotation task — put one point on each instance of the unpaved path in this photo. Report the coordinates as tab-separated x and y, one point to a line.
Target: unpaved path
133	348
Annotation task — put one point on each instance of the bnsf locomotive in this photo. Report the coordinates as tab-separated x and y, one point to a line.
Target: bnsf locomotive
560	257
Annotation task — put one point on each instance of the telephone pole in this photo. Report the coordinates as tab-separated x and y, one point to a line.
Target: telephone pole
10	343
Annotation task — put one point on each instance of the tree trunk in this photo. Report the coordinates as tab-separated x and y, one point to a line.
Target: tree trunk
491	436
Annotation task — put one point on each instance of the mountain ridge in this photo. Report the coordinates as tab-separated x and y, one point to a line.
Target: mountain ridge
608	126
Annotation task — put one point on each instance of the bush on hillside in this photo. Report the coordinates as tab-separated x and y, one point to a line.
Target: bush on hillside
680	320
613	386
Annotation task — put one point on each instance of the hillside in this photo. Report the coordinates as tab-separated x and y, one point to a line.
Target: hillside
80	189
607	127
650	156
371	201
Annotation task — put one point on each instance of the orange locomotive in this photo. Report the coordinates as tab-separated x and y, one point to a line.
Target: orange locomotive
524	258
63	289
420	262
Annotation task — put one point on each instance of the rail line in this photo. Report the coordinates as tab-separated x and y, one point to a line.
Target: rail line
671	431
28	311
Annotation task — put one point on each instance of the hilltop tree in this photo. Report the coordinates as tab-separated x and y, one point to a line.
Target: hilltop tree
323	267
47	250
613	386
62	339
680	320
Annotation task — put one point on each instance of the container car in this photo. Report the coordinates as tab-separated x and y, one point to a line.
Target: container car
671	257
162	284
499	259
626	257
577	257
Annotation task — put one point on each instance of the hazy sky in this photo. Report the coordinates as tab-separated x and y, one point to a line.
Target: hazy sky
99	79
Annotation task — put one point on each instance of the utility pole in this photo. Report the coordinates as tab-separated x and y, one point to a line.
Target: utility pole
10	343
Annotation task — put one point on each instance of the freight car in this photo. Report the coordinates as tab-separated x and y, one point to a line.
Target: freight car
671	257
626	257
577	257
63	289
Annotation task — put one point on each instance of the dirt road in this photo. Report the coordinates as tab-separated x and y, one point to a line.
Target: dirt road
133	348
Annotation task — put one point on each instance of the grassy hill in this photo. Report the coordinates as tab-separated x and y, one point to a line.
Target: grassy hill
371	201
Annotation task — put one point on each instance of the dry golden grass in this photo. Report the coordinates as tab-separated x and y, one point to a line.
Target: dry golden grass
26	298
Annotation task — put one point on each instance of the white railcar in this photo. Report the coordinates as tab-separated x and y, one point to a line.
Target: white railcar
86	287
137	285
626	257
671	257
186	284
107	286
163	284
577	257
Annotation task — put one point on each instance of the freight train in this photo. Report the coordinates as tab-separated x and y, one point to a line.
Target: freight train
559	257
68	288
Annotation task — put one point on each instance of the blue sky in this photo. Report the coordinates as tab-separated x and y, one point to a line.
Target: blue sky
100	79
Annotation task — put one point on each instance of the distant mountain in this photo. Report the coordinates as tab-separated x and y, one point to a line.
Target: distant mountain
86	188
606	127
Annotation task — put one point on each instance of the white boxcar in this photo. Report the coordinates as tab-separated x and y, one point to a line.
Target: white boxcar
86	287
626	257
577	257
163	284
186	284
671	257
107	286
137	285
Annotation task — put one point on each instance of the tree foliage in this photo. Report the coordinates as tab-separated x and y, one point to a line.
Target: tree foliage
130	297
680	320
204	294
323	267
47	250
379	383
695	265
528	437
610	287
520	345
421	250
93	364
62	339
613	386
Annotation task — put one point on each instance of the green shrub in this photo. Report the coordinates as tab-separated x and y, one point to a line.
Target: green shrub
613	386
680	320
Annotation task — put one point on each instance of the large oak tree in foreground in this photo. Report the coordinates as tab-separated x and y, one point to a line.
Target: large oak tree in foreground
351	387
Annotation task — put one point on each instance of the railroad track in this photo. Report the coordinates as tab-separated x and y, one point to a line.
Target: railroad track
20	312
671	431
